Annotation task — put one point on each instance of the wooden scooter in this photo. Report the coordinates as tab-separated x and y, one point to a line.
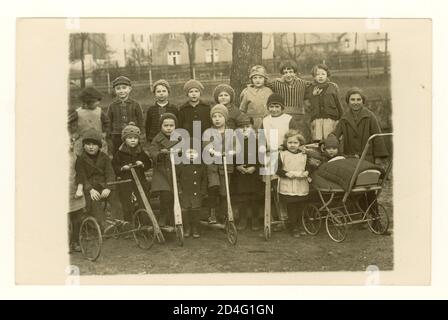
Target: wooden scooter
177	209
231	231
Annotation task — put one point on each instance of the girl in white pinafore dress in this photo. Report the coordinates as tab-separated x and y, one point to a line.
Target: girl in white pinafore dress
293	186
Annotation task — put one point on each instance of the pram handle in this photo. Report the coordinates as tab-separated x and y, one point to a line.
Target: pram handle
363	155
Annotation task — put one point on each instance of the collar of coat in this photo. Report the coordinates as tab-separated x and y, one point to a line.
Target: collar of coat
126	149
165	141
128	100
348	116
91	162
187	104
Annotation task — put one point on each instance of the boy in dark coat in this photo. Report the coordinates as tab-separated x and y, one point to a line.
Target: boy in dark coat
161	90
162	179
192	181
194	109
131	152
94	171
247	185
122	111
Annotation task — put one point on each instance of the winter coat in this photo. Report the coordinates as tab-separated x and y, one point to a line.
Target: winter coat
253	101
121	113
356	133
162	179
248	184
326	105
125	155
153	114
192	184
94	173
188	114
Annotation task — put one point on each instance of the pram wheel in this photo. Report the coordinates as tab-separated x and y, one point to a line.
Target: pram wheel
231	232
267	233
378	219
90	239
336	224
144	233
180	235
311	219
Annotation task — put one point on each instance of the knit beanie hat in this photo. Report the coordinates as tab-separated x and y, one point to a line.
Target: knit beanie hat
258	70
331	142
190	84
243	119
161	82
121	80
219	108
92	135
90	95
167	115
353	91
130	130
275	98
224	87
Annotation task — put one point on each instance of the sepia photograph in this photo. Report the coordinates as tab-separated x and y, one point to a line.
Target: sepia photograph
198	150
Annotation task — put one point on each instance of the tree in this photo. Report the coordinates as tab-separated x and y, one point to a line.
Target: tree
190	39
78	44
246	52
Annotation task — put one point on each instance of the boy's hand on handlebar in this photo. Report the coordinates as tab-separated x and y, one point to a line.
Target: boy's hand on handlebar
139	163
105	193
95	195
125	168
250	170
164	151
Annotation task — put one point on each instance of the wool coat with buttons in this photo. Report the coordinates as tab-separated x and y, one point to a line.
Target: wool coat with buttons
357	130
192	184
162	178
94	172
153	114
121	113
188	114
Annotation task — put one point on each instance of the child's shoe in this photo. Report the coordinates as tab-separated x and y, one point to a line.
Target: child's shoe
242	224
75	247
187	232
212	218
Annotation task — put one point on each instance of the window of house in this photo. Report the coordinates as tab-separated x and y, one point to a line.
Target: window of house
173	58
208	55
172	36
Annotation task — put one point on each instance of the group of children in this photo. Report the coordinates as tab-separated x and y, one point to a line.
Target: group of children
262	106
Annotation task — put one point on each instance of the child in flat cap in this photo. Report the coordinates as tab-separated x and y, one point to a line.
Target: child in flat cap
225	95
194	110
254	97
94	171
88	116
162	183
130	152
123	110
161	91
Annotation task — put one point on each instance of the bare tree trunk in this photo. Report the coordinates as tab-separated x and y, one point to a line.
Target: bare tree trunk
190	39
246	52
83	72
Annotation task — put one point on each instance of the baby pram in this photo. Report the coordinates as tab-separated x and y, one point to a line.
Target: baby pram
351	202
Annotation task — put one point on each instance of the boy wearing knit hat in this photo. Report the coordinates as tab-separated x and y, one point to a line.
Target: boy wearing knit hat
159	151
130	152
215	172
225	95
254	97
88	116
194	112
94	171
161	90
123	110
